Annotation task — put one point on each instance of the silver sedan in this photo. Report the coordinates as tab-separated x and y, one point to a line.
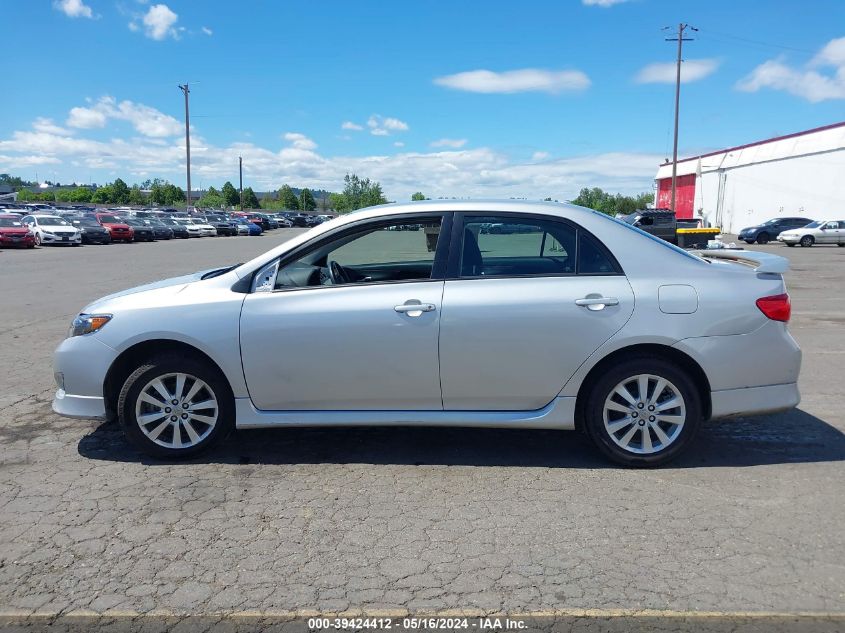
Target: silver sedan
418	314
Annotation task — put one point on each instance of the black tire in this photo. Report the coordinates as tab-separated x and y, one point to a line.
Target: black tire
38	239
789	244
841	244
594	411
763	238
172	364
749	241
807	240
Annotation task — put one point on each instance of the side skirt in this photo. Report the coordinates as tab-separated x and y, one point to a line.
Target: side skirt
558	414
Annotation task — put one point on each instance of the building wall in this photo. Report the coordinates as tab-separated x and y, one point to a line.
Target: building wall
811	186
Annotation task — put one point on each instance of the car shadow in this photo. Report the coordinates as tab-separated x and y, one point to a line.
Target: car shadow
784	438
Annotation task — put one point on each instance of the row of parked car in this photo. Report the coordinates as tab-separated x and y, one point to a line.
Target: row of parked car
35	225
792	231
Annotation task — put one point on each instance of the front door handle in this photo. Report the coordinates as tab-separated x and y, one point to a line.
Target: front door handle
414	308
595	302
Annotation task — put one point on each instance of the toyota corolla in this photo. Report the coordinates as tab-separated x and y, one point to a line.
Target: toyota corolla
573	321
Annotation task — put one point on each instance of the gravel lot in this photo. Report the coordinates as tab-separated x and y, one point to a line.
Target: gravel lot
750	520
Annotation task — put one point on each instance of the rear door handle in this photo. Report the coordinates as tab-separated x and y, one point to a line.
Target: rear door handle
415	309
597	303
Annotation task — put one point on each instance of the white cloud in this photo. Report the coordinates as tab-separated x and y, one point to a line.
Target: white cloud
511	81
539	156
85	118
300	141
349	125
823	78
449	142
43	124
146	120
666	72
384	126
74	8
207	30
158	23
477	172
399	144
601	3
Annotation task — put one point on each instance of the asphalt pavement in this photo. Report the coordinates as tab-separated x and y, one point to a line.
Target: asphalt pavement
383	520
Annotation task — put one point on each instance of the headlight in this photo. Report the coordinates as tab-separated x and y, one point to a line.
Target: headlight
88	323
46	232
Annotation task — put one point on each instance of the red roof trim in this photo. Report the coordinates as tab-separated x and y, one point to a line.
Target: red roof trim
769	140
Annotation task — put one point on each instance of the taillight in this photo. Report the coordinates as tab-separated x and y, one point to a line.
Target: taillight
776	307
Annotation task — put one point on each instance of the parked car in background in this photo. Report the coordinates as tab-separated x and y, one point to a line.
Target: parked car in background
595	325
267	222
658	222
51	229
283	221
300	220
224	225
92	231
119	230
179	230
769	230
206	229
162	231
819	232
143	231
193	229
13	232
251	227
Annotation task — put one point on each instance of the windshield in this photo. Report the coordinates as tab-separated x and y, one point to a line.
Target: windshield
51	220
9	222
86	222
814	224
653	238
110	219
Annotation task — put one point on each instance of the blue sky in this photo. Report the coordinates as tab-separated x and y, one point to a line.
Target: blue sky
503	99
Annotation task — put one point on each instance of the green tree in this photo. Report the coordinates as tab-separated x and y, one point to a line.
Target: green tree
418	196
337	201
250	199
358	193
173	194
120	192
136	198
288	198
211	199
610	204
103	195
306	200
231	195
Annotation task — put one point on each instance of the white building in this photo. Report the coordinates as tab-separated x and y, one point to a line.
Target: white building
799	174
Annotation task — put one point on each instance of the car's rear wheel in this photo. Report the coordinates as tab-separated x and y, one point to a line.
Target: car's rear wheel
807	240
643	412
175	407
763	238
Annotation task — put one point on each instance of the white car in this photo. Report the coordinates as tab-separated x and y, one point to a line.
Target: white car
194	230
206	230
818	232
51	229
566	319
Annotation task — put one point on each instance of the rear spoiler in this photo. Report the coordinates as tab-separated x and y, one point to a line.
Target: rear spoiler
760	262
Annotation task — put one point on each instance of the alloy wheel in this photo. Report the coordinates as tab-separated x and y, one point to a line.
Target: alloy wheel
644	414
176	410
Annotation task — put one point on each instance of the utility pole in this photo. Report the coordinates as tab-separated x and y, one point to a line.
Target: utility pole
680	39
187	91
241	176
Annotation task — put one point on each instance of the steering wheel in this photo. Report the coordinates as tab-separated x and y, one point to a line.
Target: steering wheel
337	273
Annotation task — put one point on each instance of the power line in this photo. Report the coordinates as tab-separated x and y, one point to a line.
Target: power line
747	40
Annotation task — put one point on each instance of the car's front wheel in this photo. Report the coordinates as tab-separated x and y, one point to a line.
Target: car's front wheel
175	407
763	238
643	412
807	240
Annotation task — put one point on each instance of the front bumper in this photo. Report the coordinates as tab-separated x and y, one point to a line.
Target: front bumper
80	364
26	240
788	239
60	239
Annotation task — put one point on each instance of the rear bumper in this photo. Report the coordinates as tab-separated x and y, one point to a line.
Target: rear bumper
754	400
